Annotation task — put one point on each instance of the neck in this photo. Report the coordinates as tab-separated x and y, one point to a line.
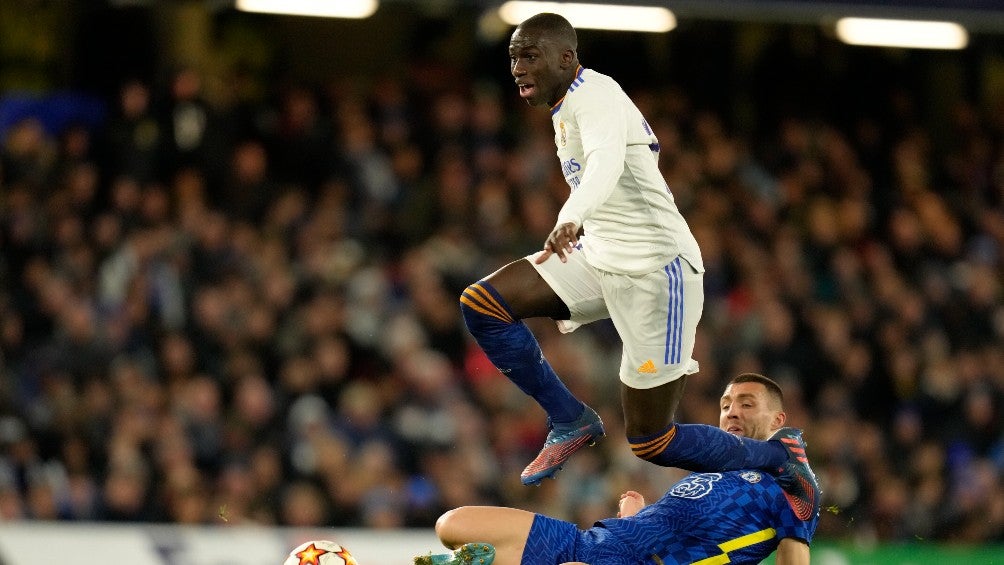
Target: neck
570	77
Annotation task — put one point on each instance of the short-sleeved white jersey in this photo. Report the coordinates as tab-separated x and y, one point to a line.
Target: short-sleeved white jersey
609	157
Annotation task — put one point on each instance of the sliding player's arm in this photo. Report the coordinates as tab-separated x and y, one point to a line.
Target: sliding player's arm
791	551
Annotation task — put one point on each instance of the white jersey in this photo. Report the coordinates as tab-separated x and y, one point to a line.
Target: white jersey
609	157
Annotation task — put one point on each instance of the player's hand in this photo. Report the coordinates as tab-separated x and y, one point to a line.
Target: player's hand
630	503
561	242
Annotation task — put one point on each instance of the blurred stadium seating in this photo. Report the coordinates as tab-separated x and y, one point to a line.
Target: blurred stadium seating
232	246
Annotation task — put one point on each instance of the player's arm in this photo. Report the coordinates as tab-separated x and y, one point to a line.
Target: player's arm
602	122
792	551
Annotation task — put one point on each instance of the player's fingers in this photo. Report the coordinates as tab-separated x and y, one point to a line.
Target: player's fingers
544	255
569	240
561	253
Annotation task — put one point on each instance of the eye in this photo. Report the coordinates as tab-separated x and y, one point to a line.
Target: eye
725	407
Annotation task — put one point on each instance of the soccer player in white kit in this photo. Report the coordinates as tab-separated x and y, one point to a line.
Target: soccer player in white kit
620	249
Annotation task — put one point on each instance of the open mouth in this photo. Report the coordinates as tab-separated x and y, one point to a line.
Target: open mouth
526	90
735	430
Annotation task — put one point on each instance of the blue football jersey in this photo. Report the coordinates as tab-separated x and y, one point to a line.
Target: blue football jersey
730	517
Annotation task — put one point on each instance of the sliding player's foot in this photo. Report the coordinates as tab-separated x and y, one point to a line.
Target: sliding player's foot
468	554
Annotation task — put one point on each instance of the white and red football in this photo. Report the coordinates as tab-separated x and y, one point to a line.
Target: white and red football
320	552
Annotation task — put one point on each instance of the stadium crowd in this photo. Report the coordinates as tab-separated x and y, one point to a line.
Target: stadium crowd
247	313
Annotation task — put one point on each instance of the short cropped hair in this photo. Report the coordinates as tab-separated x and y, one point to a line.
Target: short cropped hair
773	389
553	26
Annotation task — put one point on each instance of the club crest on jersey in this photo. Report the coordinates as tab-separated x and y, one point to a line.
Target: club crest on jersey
561	132
752	477
697	485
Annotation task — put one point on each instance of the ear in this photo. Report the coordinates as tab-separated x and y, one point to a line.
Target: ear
779	419
568	58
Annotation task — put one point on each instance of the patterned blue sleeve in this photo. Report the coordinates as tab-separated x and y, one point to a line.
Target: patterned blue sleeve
791	527
702	448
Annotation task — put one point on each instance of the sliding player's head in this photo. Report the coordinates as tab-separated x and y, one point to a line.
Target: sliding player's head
752	406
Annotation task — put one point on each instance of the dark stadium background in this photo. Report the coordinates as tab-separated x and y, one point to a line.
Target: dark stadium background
871	180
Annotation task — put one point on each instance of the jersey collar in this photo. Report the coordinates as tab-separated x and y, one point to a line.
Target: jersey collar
575	82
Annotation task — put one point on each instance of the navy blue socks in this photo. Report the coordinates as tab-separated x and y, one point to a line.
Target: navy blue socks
703	448
511	347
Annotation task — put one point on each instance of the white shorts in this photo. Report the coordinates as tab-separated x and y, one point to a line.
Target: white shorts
656	314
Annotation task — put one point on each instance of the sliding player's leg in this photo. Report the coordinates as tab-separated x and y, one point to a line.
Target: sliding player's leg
481	535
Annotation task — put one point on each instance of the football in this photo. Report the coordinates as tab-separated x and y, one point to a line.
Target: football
320	552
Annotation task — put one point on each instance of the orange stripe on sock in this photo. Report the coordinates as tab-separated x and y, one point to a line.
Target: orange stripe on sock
478	308
476	292
472	298
655	446
650	452
671	432
481	296
496	305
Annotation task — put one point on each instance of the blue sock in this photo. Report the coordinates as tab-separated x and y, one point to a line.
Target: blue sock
703	448
511	347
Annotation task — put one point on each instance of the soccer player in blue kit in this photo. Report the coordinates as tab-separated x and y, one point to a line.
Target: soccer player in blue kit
620	249
728	511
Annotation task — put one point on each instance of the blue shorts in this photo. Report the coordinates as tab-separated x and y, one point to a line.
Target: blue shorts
553	541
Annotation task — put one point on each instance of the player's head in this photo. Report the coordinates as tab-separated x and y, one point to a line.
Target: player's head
542	58
752	406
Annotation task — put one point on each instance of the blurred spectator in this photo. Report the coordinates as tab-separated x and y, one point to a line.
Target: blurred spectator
134	138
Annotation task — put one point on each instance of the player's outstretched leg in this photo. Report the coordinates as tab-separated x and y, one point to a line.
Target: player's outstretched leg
479	553
511	347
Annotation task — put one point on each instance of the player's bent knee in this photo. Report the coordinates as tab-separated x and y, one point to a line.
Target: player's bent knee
443	524
483	310
449	526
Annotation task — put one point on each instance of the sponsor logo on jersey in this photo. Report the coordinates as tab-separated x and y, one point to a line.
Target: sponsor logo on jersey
647	367
570	166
